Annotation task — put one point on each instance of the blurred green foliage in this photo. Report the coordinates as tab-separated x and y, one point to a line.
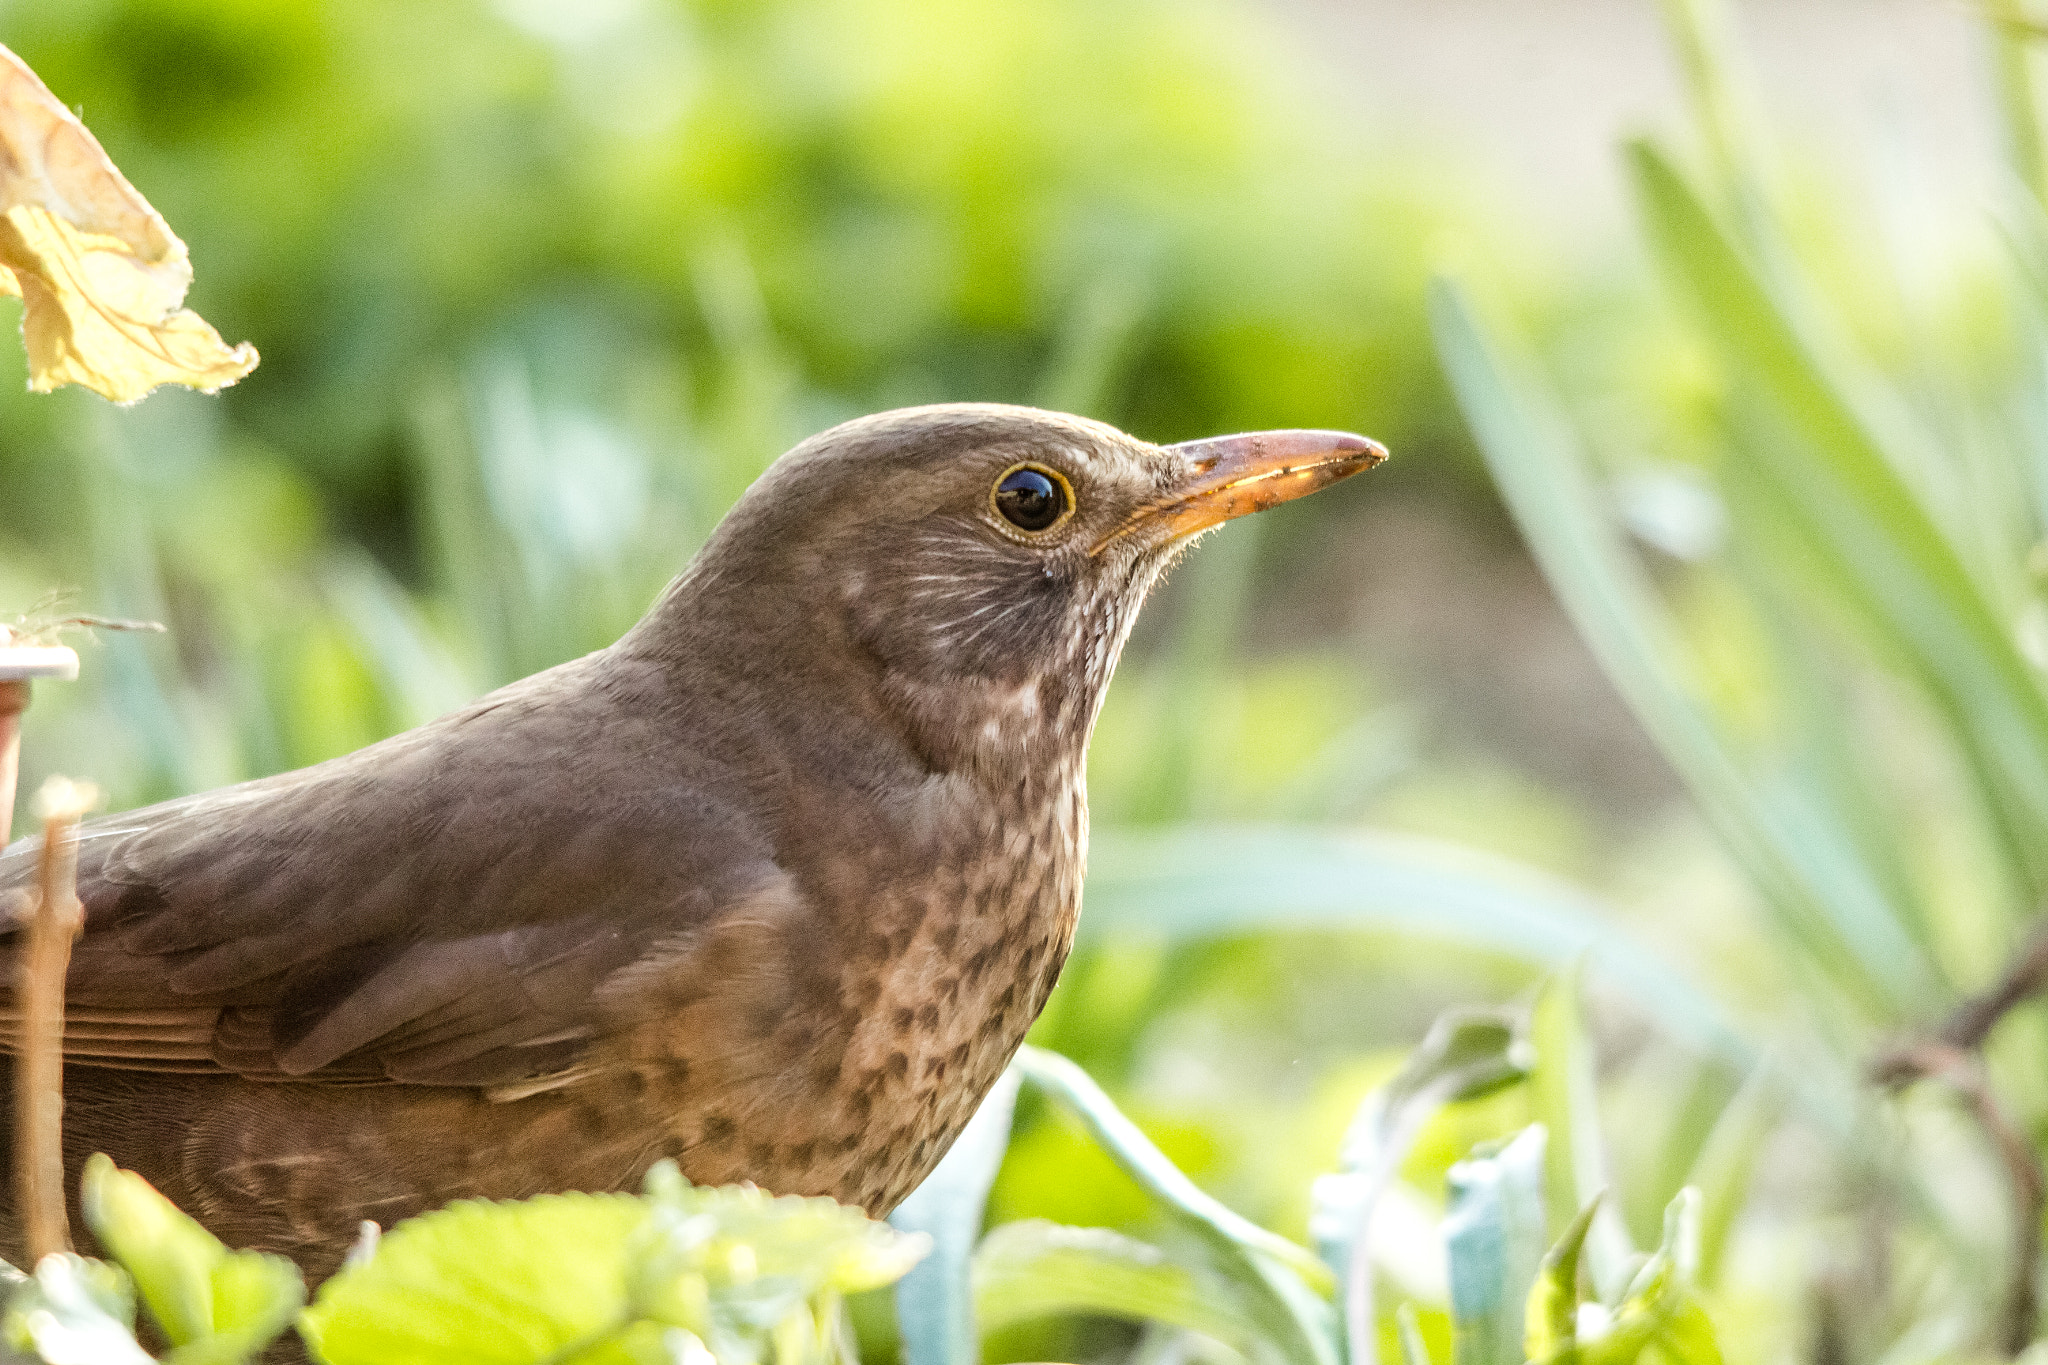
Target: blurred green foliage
1846	667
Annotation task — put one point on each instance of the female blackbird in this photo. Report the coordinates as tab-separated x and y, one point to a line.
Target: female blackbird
772	886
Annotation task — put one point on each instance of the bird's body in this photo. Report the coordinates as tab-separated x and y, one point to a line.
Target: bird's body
773	886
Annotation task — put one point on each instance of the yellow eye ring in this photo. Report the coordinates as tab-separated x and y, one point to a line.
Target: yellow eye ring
1031	498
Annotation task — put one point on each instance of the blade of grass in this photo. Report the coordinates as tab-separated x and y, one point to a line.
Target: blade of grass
1728	1161
1564	1091
935	1301
1033	1268
1281	1281
1836	919
2013	37
1202	882
1833	472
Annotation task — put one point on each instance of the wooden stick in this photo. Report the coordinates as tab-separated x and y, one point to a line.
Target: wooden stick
13	701
39	1060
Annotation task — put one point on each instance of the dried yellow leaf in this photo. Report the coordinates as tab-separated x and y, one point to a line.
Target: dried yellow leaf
101	277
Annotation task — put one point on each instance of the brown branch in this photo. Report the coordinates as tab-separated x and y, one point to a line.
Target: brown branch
39	1060
13	701
1972	1021
1951	1056
1959	1068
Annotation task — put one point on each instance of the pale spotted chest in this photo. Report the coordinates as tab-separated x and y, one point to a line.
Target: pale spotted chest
956	1001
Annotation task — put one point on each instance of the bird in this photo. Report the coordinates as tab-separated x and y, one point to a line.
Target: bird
772	886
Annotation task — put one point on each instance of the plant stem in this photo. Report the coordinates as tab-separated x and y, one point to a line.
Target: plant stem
1963	1073
39	1060
13	701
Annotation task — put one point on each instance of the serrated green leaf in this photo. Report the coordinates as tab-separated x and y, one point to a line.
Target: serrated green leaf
481	1283
1495	1235
255	1298
169	1255
738	1267
1035	1268
830	1246
214	1305
74	1311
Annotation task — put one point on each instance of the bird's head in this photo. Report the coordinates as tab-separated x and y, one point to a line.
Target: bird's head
981	563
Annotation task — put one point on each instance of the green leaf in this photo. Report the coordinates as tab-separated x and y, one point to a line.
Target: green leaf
1467	1053
1551	1318
736	1266
169	1255
214	1305
1831	907
480	1283
597	1278
1076	1091
1206	881
936	1301
73	1311
1839	471
1659	1308
1414	1350
1494	1233
1282	1282
1564	1088
1727	1162
1034	1268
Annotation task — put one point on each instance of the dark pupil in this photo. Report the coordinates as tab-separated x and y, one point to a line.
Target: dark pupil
1030	500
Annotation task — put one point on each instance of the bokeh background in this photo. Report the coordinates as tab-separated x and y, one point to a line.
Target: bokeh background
541	286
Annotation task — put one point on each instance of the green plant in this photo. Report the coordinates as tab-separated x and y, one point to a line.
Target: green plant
1850	682
1524	1212
683	1274
678	1274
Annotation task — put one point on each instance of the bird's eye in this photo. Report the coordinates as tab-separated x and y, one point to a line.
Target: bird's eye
1032	498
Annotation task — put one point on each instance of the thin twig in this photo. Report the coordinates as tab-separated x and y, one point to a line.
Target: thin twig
13	701
1972	1021
39	1061
1951	1056
1959	1068
40	627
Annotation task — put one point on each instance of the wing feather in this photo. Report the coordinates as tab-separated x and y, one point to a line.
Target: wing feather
443	908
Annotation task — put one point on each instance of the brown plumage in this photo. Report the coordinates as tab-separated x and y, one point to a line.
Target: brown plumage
772	886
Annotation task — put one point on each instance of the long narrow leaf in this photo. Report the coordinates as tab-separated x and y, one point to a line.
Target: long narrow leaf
1495	1233
1465	1054
1835	472
1563	1090
1282	1282
1207	881
1836	914
935	1301
1032	1268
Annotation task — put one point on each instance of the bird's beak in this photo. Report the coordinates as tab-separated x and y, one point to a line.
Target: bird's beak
1233	476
